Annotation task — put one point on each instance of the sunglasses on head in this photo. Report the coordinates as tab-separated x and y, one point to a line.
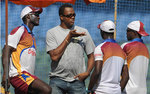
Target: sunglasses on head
69	15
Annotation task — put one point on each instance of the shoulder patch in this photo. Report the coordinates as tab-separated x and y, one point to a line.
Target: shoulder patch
14	30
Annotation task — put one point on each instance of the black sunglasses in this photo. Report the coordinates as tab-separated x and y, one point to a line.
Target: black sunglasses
69	15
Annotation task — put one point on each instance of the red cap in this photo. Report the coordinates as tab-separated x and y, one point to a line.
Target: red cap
29	9
139	27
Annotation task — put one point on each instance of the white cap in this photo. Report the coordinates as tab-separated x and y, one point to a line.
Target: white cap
107	26
138	26
29	9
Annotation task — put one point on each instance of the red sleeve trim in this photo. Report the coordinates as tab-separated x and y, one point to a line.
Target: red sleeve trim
14	30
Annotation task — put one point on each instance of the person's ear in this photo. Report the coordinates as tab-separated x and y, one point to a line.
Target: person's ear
28	16
61	18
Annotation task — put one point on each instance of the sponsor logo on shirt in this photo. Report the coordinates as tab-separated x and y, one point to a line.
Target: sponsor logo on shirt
97	54
32	52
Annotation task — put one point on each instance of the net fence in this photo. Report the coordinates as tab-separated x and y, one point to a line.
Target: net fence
87	16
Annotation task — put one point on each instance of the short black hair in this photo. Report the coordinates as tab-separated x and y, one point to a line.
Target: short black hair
62	8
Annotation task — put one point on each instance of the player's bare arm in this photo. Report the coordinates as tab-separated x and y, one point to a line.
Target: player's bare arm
58	52
5	59
96	73
125	77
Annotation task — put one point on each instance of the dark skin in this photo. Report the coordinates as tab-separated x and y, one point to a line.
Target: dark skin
125	77
131	34
67	23
4	60
95	75
99	65
37	86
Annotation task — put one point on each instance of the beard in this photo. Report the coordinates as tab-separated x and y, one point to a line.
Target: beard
35	23
69	25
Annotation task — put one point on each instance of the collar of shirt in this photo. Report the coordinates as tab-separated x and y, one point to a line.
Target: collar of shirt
109	40
137	39
28	29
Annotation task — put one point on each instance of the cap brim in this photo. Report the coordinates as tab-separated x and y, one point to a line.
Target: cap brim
143	33
40	10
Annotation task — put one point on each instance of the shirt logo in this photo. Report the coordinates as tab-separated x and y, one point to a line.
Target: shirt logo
97	55
78	40
32	52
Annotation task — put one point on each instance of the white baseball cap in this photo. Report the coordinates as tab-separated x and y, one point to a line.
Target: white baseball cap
107	26
138	26
29	9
